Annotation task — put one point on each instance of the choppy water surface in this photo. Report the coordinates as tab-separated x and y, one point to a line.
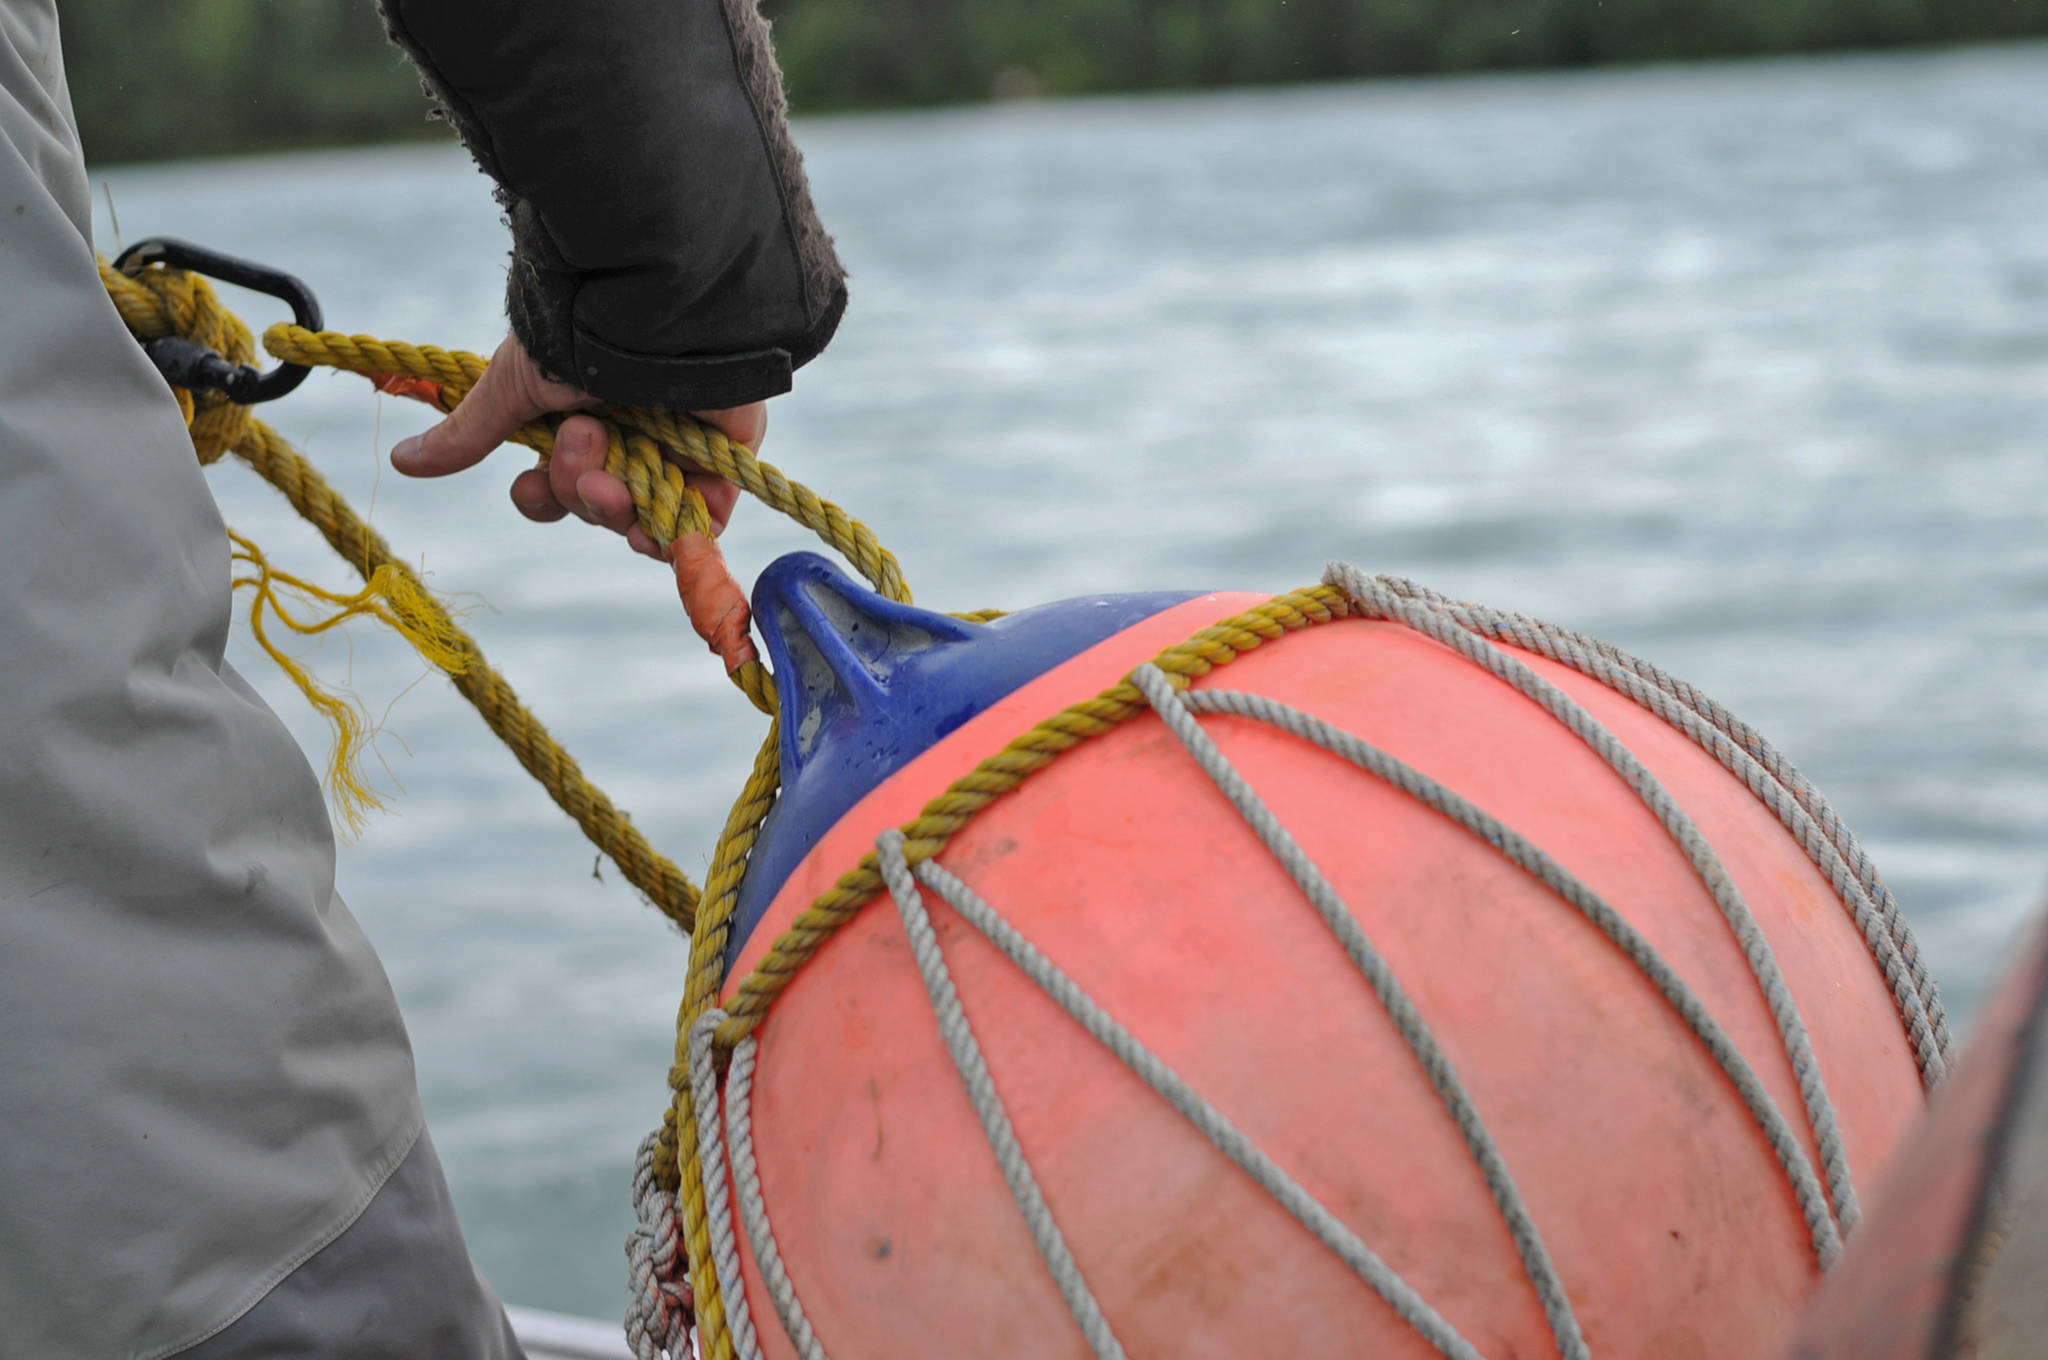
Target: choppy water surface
1744	368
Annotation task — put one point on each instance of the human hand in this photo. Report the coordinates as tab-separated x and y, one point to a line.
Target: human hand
512	392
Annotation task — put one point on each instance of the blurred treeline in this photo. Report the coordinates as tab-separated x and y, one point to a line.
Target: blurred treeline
153	78
842	53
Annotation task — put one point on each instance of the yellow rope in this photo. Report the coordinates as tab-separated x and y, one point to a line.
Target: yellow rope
637	440
161	301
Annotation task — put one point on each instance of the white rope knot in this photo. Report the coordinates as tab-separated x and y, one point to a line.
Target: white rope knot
661	1310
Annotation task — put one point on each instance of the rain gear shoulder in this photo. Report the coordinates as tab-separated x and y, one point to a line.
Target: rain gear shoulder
203	1076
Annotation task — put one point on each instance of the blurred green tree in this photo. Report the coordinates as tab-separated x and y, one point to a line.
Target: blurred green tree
200	77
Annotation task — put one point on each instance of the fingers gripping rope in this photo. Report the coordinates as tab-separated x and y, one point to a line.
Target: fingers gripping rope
640	437
161	301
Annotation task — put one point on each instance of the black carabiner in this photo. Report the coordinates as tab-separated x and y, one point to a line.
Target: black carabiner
188	364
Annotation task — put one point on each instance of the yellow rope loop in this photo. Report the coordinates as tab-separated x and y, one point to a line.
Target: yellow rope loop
708	448
142	311
158	301
216	426
667	505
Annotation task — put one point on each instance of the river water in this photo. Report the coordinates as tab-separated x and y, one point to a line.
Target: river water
1744	368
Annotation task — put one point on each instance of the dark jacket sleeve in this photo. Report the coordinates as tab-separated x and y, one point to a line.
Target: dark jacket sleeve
665	251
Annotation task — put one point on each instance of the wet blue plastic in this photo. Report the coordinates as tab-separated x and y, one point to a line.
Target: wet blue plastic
867	684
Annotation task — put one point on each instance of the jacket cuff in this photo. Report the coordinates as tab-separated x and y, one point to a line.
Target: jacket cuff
681	383
602	124
540	302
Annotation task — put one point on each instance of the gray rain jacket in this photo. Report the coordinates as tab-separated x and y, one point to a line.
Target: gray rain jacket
210	1137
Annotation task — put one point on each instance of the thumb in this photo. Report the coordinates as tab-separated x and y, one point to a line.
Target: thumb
503	399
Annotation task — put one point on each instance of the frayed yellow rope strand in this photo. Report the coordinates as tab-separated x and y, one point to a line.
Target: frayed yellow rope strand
391	596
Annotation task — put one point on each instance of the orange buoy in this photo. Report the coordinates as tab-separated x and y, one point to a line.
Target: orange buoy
1415	983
